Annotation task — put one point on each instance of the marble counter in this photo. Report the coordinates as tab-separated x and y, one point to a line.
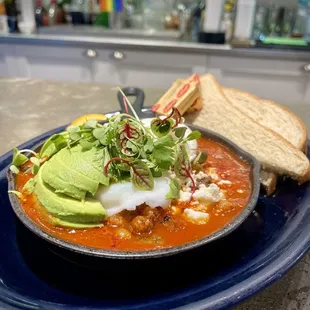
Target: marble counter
31	107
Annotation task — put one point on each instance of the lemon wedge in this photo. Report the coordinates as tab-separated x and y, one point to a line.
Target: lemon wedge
84	118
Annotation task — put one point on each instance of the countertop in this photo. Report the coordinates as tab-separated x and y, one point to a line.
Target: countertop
31	107
148	43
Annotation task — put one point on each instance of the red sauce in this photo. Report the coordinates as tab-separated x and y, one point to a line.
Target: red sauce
179	231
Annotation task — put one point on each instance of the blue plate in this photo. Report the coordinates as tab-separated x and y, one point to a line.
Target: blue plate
216	276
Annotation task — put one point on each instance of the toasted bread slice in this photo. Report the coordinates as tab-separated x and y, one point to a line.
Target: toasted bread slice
274	152
274	117
270	115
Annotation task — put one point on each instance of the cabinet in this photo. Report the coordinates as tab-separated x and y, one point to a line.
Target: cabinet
281	80
6	67
276	79
145	69
111	66
53	63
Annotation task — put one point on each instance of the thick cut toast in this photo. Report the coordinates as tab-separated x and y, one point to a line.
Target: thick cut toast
274	117
270	115
274	152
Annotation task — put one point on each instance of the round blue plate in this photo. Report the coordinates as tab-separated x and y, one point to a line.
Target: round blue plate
216	276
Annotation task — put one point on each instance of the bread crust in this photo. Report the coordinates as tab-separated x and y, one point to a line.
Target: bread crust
269	179
303	145
303	141
302	176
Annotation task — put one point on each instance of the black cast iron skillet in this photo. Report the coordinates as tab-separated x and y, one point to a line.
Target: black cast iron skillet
67	249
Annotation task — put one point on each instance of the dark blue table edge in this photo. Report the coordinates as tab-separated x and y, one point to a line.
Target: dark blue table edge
225	299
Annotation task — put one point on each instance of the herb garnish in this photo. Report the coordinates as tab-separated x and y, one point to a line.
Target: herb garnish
175	188
19	159
140	173
161	127
129	151
182	167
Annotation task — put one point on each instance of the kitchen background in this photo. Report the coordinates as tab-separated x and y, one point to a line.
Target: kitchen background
260	46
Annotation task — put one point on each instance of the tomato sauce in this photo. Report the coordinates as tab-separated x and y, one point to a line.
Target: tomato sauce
237	190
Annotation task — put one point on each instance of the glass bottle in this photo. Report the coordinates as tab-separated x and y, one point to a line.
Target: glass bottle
227	24
3	18
289	18
261	22
197	16
89	11
280	22
52	13
307	28
301	19
77	8
244	22
11	11
39	13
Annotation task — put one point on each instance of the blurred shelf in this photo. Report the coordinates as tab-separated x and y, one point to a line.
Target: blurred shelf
96	31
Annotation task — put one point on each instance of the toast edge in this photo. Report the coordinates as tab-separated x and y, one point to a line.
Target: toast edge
304	140
305	176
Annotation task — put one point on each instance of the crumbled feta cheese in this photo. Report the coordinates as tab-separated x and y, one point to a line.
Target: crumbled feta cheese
222	182
196	217
200	175
204	194
208	194
196	206
194	203
212	172
240	191
185	196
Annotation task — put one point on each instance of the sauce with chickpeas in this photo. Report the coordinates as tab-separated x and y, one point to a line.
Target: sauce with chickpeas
154	228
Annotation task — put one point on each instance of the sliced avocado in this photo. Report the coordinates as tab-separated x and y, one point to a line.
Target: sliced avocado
58	222
94	156
68	209
59	184
72	177
77	161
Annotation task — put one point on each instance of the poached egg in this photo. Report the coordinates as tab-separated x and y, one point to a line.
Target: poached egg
124	196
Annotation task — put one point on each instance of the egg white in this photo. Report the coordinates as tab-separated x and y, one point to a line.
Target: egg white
123	196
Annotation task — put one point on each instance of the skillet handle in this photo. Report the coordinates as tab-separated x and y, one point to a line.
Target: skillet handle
138	103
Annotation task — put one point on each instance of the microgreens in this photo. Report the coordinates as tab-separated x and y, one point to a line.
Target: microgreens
19	159
14	169
201	158
161	127
182	167
127	150
179	132
36	165
140	173
129	104
175	188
